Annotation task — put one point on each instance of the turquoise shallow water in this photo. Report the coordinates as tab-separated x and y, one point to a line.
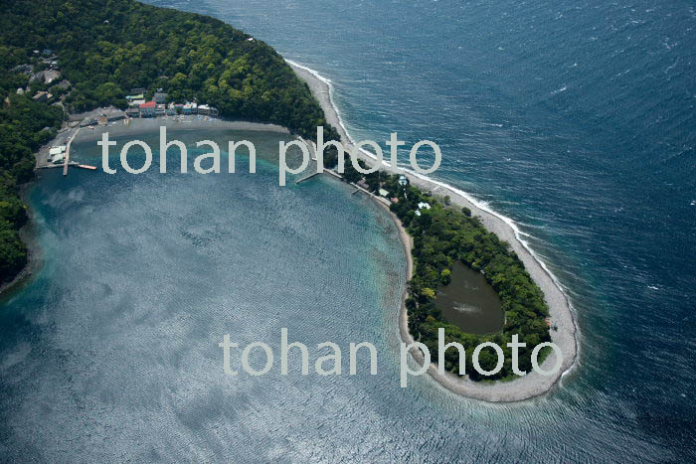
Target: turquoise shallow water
116	339
575	119
111	352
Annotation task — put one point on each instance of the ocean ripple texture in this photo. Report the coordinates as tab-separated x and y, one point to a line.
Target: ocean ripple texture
575	119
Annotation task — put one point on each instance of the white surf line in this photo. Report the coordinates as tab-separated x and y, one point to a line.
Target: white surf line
478	203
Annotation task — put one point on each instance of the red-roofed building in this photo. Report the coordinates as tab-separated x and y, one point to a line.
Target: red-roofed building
147	110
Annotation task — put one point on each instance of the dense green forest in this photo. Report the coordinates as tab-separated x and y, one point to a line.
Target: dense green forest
24	126
443	235
106	48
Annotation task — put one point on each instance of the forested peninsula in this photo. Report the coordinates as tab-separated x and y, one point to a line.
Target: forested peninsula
59	57
443	235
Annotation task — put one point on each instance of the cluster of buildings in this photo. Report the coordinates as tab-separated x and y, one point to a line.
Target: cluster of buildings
403	181
49	75
138	107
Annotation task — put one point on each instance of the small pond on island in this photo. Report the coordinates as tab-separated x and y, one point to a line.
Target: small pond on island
470	302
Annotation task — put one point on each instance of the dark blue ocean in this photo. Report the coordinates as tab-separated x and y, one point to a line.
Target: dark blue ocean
575	119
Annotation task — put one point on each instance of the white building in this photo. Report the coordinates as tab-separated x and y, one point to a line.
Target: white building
57	150
57	158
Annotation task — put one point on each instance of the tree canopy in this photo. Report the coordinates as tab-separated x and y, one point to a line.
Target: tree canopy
105	49
108	47
443	235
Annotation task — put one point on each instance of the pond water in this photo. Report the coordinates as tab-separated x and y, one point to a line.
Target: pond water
470	302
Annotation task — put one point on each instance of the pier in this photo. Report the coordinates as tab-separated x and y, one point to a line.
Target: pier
313	155
72	163
307	177
66	163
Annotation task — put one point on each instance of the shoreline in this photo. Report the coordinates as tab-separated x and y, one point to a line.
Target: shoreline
116	128
137	126
29	236
519	389
184	123
560	309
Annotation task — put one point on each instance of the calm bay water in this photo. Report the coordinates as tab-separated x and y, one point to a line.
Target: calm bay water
573	118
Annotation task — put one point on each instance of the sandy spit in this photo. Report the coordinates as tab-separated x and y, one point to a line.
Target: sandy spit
562	314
